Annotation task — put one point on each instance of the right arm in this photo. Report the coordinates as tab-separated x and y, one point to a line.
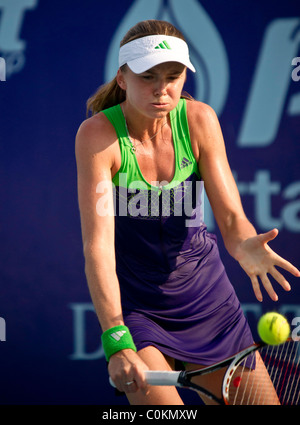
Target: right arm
95	144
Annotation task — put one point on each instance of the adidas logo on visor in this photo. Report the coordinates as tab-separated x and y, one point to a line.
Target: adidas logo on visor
163	45
146	52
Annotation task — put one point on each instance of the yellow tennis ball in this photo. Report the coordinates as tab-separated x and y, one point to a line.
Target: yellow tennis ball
273	328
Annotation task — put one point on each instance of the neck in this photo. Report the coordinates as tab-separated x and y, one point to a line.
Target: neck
143	128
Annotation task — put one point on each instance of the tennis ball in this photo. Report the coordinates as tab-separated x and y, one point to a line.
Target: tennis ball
273	328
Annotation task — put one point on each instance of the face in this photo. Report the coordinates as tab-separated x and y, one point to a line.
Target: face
156	92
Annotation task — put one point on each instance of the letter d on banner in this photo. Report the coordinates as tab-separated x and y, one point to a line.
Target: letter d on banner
79	326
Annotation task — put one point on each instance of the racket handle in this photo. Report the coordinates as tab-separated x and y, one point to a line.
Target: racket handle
155	377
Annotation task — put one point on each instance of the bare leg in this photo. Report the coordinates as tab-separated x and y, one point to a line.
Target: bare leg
252	387
211	382
155	360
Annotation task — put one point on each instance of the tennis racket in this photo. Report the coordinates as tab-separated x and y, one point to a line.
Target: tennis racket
260	374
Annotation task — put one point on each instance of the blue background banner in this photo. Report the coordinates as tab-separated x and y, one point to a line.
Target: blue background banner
56	54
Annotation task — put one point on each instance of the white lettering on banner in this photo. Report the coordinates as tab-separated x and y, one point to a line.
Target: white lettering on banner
270	85
11	19
295	75
295	328
264	191
2	329
2	69
80	333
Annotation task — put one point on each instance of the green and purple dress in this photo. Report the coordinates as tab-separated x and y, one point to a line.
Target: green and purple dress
175	292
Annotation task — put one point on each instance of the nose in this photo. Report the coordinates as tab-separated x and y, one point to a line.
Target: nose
160	87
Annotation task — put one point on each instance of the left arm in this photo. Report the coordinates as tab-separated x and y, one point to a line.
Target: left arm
240	237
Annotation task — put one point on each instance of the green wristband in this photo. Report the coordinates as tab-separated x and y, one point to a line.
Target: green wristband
116	339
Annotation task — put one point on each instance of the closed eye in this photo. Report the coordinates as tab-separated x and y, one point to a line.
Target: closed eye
174	77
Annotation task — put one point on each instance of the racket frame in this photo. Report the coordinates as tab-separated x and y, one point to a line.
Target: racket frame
183	378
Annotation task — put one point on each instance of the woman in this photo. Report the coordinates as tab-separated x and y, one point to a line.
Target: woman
154	273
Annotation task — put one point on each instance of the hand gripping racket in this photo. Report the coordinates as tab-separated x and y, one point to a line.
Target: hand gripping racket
260	374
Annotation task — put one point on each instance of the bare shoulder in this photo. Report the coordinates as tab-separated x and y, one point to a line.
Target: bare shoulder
200	114
95	136
204	126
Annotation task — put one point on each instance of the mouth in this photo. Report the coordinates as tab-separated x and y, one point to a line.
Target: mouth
159	104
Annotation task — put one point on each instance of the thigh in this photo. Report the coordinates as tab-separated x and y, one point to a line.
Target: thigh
155	360
254	386
211	382
248	387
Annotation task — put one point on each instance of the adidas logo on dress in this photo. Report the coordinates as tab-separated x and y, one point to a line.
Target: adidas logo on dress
185	162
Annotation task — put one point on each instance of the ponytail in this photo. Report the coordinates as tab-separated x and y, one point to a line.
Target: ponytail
108	95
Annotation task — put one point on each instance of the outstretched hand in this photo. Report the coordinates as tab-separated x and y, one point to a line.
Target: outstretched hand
258	260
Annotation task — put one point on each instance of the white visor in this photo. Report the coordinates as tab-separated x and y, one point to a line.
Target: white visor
146	52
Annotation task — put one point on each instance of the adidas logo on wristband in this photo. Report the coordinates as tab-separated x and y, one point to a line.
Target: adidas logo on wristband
117	335
116	339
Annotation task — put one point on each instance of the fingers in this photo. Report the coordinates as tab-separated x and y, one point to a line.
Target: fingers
281	262
268	236
138	381
126	384
267	266
269	288
286	265
256	288
267	284
280	279
129	378
130	387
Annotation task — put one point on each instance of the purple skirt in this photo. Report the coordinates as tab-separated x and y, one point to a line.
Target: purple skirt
189	311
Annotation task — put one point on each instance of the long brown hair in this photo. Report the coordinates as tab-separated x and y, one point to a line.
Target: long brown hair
111	94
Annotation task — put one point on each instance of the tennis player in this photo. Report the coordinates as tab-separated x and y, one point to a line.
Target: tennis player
157	282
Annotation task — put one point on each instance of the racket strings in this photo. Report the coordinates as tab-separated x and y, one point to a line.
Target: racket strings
292	374
249	391
272	377
287	384
249	384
